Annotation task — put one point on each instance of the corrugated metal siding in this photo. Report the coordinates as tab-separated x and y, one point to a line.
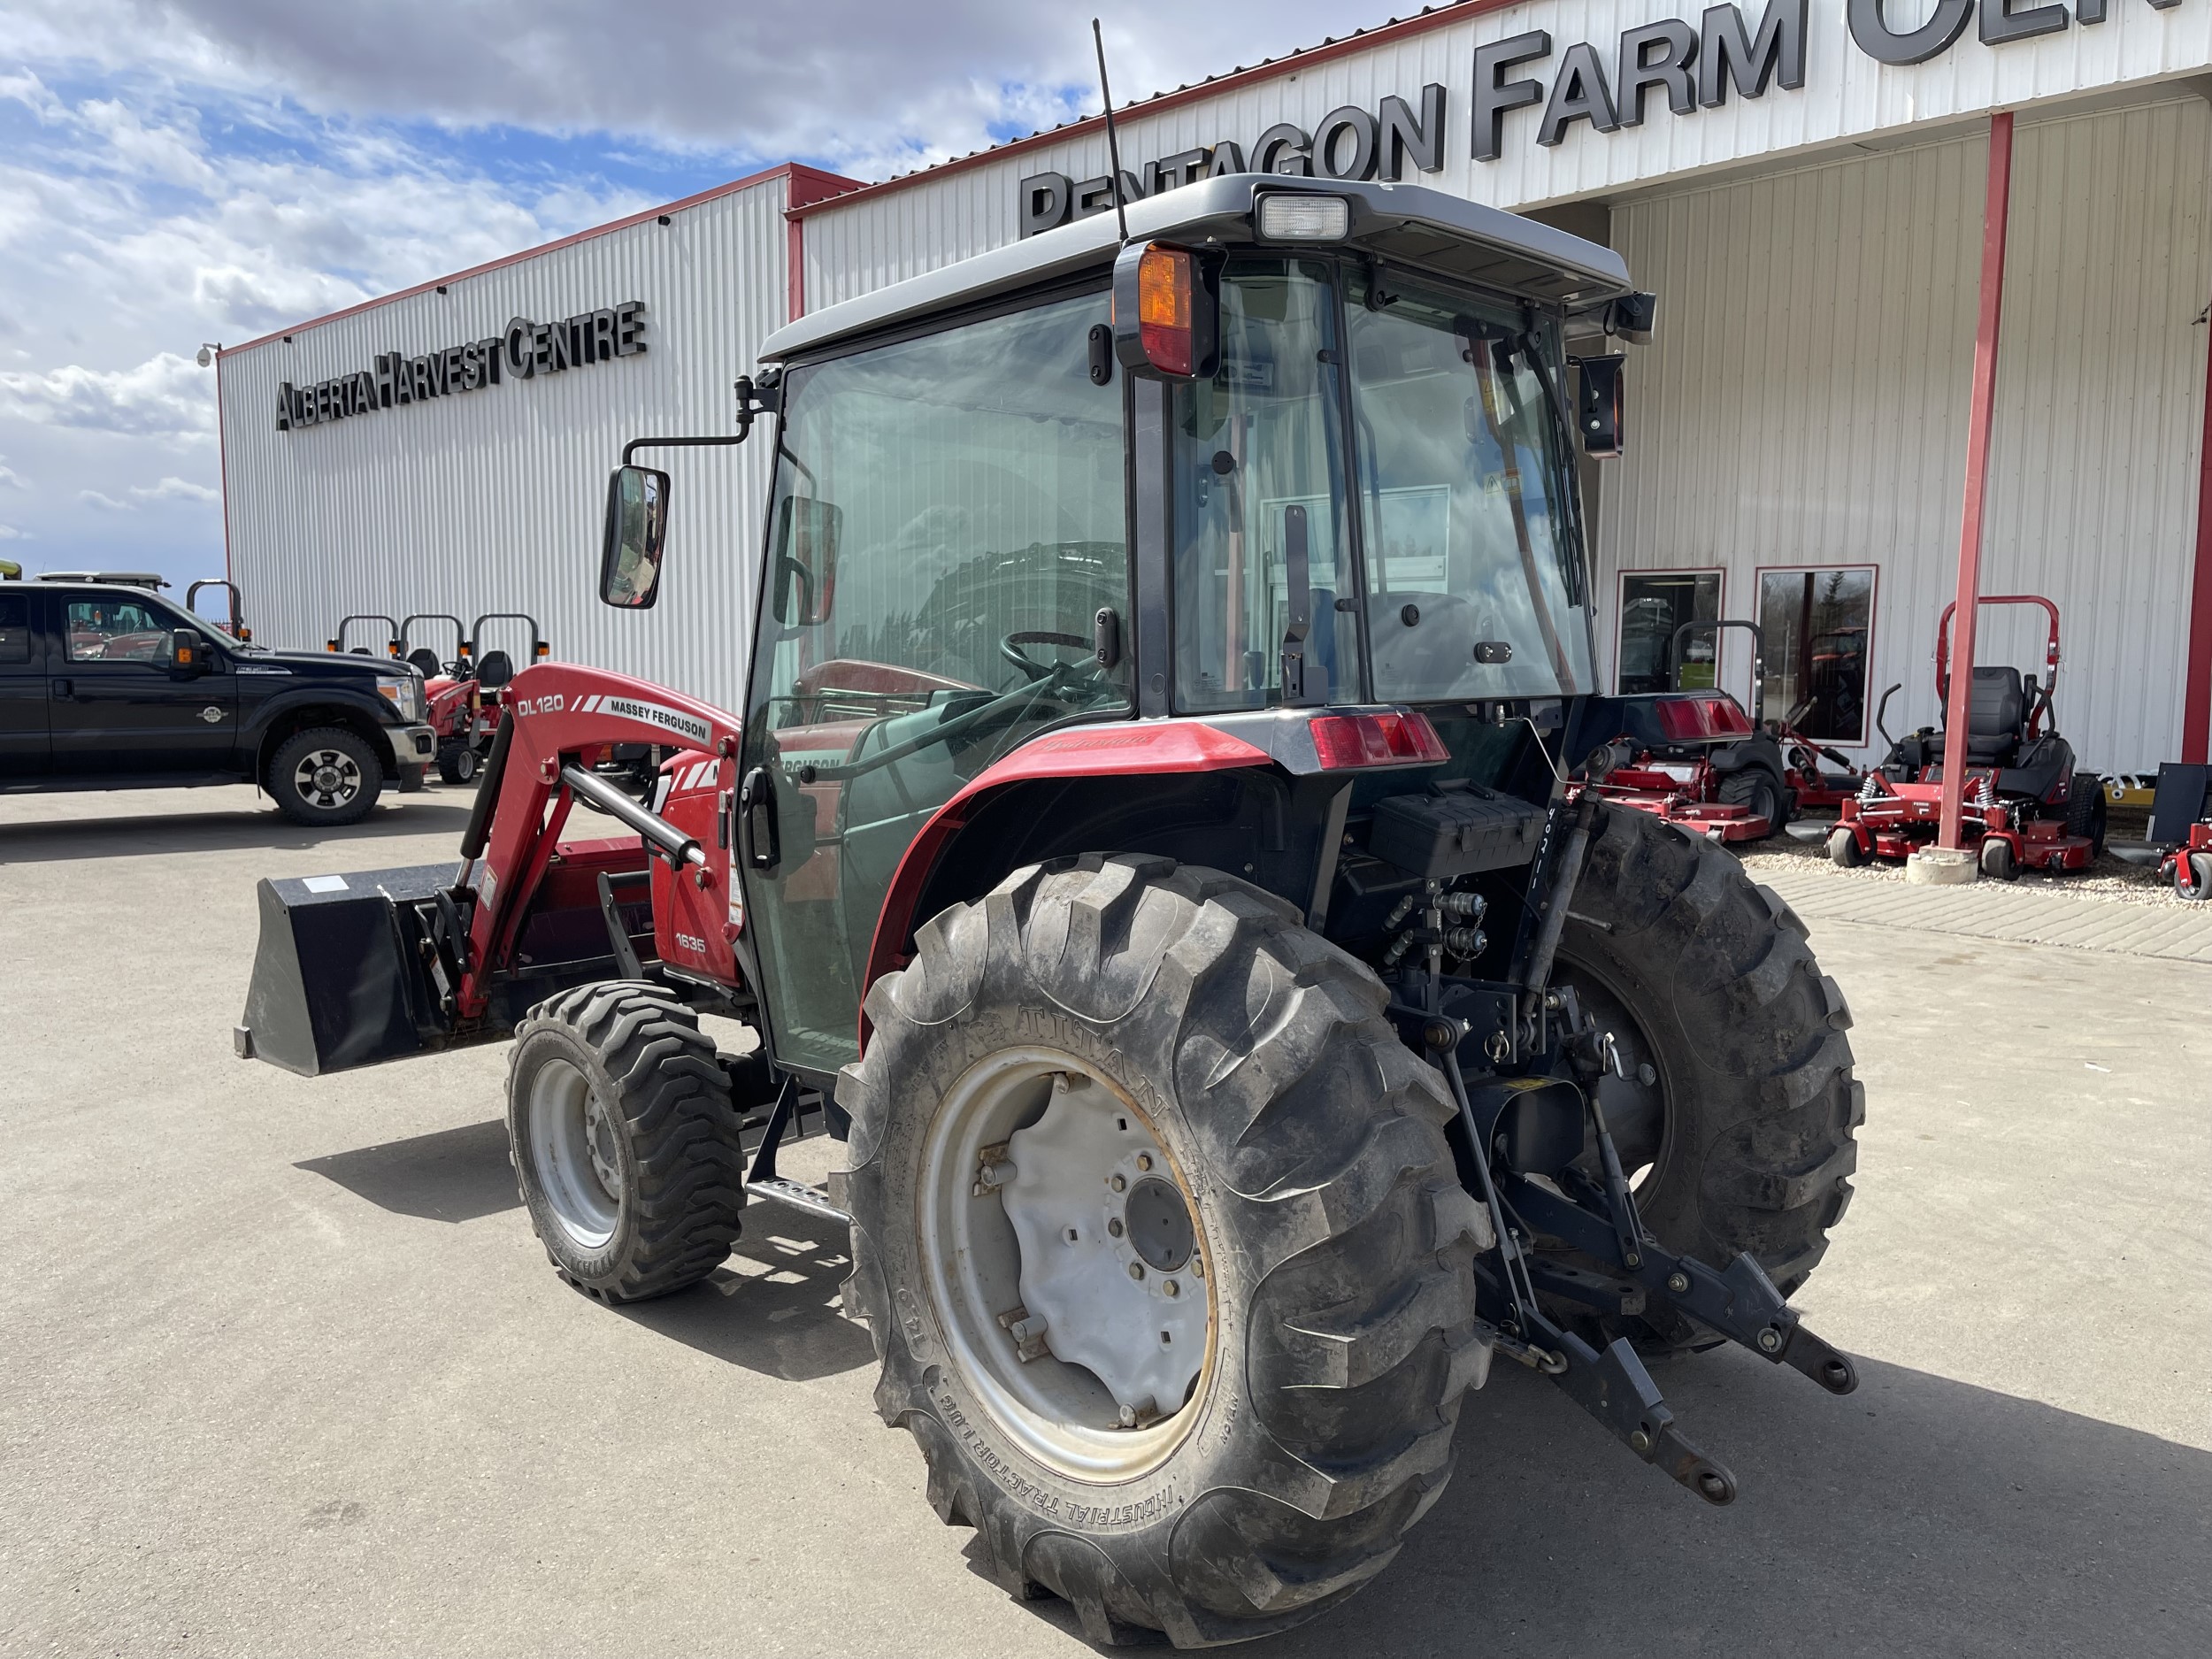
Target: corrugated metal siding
885	235
1805	401
492	499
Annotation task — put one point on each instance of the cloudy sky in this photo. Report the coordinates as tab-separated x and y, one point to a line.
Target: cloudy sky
210	170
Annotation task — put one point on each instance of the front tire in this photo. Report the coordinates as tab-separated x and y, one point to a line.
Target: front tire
1306	1175
1735	1120
457	763
623	1140
2192	876
324	778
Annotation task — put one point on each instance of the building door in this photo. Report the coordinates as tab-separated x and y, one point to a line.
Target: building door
117	707
23	744
1819	626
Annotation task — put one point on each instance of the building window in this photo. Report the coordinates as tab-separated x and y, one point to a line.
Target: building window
1653	604
1818	628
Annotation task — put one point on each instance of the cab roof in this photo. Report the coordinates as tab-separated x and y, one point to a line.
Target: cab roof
1406	224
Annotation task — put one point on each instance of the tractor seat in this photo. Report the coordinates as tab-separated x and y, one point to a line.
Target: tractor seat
1996	714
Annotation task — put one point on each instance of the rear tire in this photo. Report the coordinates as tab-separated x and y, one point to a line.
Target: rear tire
624	1141
457	763
1760	791
2087	810
1738	1105
324	778
1335	1239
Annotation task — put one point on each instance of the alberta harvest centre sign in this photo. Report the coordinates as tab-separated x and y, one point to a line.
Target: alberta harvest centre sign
524	350
1607	84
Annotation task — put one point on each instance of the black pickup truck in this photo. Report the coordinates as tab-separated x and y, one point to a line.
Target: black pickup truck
105	685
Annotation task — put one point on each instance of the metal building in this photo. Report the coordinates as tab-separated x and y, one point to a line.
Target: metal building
1807	189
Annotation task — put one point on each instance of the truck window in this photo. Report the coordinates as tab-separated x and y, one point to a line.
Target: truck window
15	630
115	630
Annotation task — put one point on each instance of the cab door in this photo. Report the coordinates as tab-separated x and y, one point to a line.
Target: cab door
24	751
116	707
949	520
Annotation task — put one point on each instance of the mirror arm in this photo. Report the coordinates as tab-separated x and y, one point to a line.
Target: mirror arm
635	444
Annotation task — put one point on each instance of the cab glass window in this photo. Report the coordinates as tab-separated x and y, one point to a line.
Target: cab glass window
1465	498
1264	436
116	631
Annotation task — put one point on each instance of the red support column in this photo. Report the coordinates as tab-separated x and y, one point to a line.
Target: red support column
2196	678
1996	203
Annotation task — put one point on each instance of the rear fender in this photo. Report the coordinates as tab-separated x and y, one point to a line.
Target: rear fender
1122	750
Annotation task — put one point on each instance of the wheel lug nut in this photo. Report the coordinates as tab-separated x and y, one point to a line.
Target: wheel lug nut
1136	1270
1144	1160
1169	1288
1113	1228
1114	1183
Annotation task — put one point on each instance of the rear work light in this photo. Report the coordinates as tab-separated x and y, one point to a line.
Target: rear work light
1164	325
1343	741
1286	218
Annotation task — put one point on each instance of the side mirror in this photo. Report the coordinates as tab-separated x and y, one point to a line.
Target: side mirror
188	652
807	530
637	520
1599	408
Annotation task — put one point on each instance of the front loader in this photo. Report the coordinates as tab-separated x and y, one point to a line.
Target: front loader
1154	843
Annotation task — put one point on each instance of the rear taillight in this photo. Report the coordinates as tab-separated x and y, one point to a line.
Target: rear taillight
1343	741
1165	322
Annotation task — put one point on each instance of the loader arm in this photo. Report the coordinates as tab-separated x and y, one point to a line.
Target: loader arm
559	713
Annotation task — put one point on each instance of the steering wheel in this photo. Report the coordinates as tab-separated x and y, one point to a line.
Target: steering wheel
1011	649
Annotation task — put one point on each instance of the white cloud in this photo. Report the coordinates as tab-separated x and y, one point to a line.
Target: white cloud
9	481
165	396
176	489
105	504
9	533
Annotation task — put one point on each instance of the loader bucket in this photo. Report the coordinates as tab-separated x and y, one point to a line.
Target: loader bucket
340	978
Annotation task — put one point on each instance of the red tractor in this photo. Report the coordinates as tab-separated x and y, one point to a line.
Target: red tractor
2026	806
454	698
1143	845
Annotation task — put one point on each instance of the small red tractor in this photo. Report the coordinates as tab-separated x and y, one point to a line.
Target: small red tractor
388	643
452	695
2026	807
1697	759
234	620
1144	845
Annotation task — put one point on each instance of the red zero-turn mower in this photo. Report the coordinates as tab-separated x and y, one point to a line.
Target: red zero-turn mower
2181	831
454	700
2025	804
1239	1035
1695	759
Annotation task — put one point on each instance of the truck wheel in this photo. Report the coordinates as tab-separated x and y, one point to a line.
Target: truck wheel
1734	1121
325	776
624	1145
1162	1247
457	763
1758	792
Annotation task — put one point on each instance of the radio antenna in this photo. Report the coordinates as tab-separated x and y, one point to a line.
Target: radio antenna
1113	145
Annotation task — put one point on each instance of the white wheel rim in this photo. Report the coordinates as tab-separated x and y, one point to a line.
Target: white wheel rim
994	1242
328	777
573	1153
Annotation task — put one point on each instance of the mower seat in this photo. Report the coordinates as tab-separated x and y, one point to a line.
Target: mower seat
1996	718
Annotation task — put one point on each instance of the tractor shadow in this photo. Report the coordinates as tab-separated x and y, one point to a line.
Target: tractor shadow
773	1307
1916	1516
454	1175
73	841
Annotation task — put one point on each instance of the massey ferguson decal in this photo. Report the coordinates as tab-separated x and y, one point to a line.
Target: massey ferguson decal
652	714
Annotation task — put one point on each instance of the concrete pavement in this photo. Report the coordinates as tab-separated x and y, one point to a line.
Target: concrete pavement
282	1370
